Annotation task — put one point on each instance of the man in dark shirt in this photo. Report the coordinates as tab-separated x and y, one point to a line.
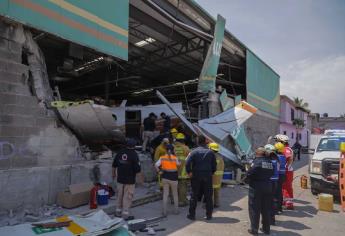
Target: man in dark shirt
297	149
149	128
126	165
260	191
200	166
167	123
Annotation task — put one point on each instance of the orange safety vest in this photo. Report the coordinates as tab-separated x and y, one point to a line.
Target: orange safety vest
168	163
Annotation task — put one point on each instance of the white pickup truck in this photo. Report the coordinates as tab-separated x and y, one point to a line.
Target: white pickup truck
324	165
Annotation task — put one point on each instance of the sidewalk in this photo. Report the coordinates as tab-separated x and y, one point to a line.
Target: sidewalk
232	217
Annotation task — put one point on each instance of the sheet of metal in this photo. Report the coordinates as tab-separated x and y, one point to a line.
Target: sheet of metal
95	223
225	123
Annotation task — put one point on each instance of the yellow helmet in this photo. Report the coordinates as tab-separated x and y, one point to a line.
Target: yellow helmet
180	136
214	147
279	147
173	130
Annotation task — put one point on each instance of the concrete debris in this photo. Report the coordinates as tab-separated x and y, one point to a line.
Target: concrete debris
31	218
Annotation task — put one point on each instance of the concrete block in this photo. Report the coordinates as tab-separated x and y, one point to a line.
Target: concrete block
19	89
24	186
44	122
29	131
13	67
27	101
5	163
7	76
8	99
12	56
9	131
20	110
15	47
60	178
106	171
81	173
3	41
20	161
14	120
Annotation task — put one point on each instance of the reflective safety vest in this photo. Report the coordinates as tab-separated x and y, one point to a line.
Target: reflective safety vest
168	163
218	175
282	164
275	175
181	151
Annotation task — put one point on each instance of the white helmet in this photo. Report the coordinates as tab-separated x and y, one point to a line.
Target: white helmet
281	138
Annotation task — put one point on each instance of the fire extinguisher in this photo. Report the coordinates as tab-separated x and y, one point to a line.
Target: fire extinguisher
93	197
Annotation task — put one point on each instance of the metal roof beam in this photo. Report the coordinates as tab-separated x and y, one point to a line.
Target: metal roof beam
158	26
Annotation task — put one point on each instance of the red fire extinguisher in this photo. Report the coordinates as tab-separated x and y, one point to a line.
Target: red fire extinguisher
93	197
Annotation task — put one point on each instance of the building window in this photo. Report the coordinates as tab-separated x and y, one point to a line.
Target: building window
292	114
284	132
292	135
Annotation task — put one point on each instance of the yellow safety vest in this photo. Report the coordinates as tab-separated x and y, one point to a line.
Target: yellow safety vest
181	151
218	175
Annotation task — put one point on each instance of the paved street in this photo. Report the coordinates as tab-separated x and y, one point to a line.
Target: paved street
232	217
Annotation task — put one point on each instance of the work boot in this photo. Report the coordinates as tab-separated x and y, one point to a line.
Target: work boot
265	231
252	232
208	217
190	217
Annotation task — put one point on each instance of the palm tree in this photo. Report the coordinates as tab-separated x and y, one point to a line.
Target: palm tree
300	103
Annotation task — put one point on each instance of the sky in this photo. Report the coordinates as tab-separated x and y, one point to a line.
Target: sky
302	40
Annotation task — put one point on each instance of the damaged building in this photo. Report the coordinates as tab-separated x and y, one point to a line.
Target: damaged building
115	55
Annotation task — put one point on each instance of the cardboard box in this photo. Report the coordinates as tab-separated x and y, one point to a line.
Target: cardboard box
76	195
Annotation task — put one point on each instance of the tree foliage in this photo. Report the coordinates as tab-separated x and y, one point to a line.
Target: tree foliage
300	103
299	123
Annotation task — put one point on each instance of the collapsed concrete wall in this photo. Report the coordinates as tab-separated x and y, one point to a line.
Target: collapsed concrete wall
38	155
260	127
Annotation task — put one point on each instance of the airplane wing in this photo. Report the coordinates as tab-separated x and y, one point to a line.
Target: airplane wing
217	128
227	122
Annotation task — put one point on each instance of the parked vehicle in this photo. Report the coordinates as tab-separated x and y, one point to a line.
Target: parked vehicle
324	165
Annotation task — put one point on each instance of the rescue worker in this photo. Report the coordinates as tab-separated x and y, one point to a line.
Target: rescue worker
287	185
282	170
182	151
260	191
270	152
172	135
201	165
218	175
161	150
167	167
126	166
